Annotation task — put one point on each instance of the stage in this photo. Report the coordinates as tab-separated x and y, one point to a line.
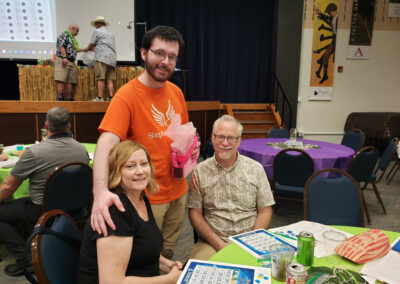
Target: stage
21	121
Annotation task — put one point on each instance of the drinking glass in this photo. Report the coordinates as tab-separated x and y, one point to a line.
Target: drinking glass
281	257
300	134
292	134
331	240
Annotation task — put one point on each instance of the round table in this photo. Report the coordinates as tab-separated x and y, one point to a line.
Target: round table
329	155
23	189
236	255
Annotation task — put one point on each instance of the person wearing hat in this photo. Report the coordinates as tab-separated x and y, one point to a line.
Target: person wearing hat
103	42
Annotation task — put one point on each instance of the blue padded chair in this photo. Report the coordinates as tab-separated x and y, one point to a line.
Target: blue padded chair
387	155
55	258
292	168
278	133
361	168
69	188
396	164
386	158
333	201
393	170
354	139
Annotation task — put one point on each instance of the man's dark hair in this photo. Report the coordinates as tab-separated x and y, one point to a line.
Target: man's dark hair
164	33
58	120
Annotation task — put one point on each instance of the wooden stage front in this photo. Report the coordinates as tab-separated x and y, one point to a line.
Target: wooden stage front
21	121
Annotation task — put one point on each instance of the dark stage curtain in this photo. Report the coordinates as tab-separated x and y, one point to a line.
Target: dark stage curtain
9	82
9	86
229	45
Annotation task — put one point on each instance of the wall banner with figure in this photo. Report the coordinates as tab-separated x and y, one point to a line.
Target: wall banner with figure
323	49
362	24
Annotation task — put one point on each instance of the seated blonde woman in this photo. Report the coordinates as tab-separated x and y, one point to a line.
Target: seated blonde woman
131	254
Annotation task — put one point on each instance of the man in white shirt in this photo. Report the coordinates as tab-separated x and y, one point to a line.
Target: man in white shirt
105	54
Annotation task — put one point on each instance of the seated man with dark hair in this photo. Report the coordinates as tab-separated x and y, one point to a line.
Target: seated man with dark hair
36	163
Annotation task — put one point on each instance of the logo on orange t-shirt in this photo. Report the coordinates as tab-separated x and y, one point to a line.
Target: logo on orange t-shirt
160	118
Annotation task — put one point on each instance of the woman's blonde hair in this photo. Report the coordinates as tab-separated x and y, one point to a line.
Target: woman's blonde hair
119	154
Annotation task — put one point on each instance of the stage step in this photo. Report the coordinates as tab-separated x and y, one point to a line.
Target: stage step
256	119
258	115
250	134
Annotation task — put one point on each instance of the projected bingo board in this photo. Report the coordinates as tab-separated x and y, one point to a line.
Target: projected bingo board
26	20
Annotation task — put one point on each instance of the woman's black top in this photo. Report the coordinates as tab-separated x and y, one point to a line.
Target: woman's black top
146	246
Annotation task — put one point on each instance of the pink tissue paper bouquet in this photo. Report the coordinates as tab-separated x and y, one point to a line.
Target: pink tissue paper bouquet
185	142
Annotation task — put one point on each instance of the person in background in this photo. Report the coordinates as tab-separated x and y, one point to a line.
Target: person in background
65	72
132	251
141	111
3	157
36	163
229	193
105	54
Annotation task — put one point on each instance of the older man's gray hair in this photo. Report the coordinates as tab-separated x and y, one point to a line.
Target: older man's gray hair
229	118
58	120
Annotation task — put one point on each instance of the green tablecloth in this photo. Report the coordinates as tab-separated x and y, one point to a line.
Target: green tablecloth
23	189
236	255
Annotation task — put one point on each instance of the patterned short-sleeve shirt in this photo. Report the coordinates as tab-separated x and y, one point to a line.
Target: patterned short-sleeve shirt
229	198
64	40
104	50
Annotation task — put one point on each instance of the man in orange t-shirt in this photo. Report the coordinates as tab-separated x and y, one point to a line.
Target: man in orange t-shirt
141	111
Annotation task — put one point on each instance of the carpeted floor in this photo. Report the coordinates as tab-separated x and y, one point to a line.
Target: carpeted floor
289	212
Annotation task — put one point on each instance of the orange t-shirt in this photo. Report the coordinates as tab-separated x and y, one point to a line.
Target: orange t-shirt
142	114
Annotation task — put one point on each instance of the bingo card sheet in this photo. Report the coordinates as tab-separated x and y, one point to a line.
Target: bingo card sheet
257	242
201	271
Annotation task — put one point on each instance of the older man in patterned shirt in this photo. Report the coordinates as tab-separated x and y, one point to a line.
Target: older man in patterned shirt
65	73
229	193
105	54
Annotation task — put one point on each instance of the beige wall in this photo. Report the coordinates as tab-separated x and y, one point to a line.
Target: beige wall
364	86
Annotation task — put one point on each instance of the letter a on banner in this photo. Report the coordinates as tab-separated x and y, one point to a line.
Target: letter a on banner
323	49
362	26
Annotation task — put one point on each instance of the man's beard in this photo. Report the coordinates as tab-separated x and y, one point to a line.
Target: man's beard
152	69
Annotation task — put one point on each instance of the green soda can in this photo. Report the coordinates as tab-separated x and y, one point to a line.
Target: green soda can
305	248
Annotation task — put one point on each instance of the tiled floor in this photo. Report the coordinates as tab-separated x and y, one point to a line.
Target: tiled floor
287	213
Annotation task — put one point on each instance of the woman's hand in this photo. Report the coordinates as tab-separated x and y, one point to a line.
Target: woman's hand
166	265
174	274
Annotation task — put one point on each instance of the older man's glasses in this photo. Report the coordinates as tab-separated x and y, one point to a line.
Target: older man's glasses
161	56
231	139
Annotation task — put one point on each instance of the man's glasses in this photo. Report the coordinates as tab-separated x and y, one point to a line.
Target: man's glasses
161	55
231	139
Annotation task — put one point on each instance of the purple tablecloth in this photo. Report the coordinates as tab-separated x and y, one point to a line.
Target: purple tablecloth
330	155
